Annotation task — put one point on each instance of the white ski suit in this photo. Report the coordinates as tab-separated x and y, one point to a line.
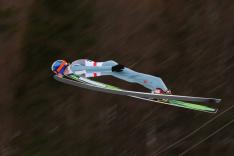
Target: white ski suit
88	68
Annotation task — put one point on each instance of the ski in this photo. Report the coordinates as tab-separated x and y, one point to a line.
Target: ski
170	102
97	86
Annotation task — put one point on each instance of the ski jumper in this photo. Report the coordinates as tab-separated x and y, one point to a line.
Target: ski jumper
88	68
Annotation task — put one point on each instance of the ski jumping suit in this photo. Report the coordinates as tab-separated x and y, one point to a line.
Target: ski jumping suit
88	68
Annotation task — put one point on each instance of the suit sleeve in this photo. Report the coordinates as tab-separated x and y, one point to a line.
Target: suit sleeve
90	68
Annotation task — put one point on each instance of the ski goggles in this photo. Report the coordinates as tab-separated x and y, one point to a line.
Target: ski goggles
61	68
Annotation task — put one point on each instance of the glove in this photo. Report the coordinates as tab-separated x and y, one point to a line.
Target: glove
117	68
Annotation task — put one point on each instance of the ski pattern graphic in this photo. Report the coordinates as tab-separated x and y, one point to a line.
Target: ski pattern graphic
182	104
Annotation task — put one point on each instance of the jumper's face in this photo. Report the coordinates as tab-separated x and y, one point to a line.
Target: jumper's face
66	71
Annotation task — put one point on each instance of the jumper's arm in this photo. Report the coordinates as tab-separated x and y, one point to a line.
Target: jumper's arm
91	68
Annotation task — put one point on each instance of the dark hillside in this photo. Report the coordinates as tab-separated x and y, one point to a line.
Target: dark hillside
189	44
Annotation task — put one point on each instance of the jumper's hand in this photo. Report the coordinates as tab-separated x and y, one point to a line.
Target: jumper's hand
117	68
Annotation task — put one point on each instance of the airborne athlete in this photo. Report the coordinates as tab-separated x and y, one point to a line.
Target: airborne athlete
87	68
78	72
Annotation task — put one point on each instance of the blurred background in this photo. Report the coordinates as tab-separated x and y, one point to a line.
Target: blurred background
190	44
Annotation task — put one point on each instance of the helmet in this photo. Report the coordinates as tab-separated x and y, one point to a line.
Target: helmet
59	66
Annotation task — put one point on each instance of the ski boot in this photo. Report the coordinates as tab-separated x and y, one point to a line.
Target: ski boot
160	91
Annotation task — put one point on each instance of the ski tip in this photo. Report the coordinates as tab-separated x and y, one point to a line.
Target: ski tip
215	110
214	100
218	100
